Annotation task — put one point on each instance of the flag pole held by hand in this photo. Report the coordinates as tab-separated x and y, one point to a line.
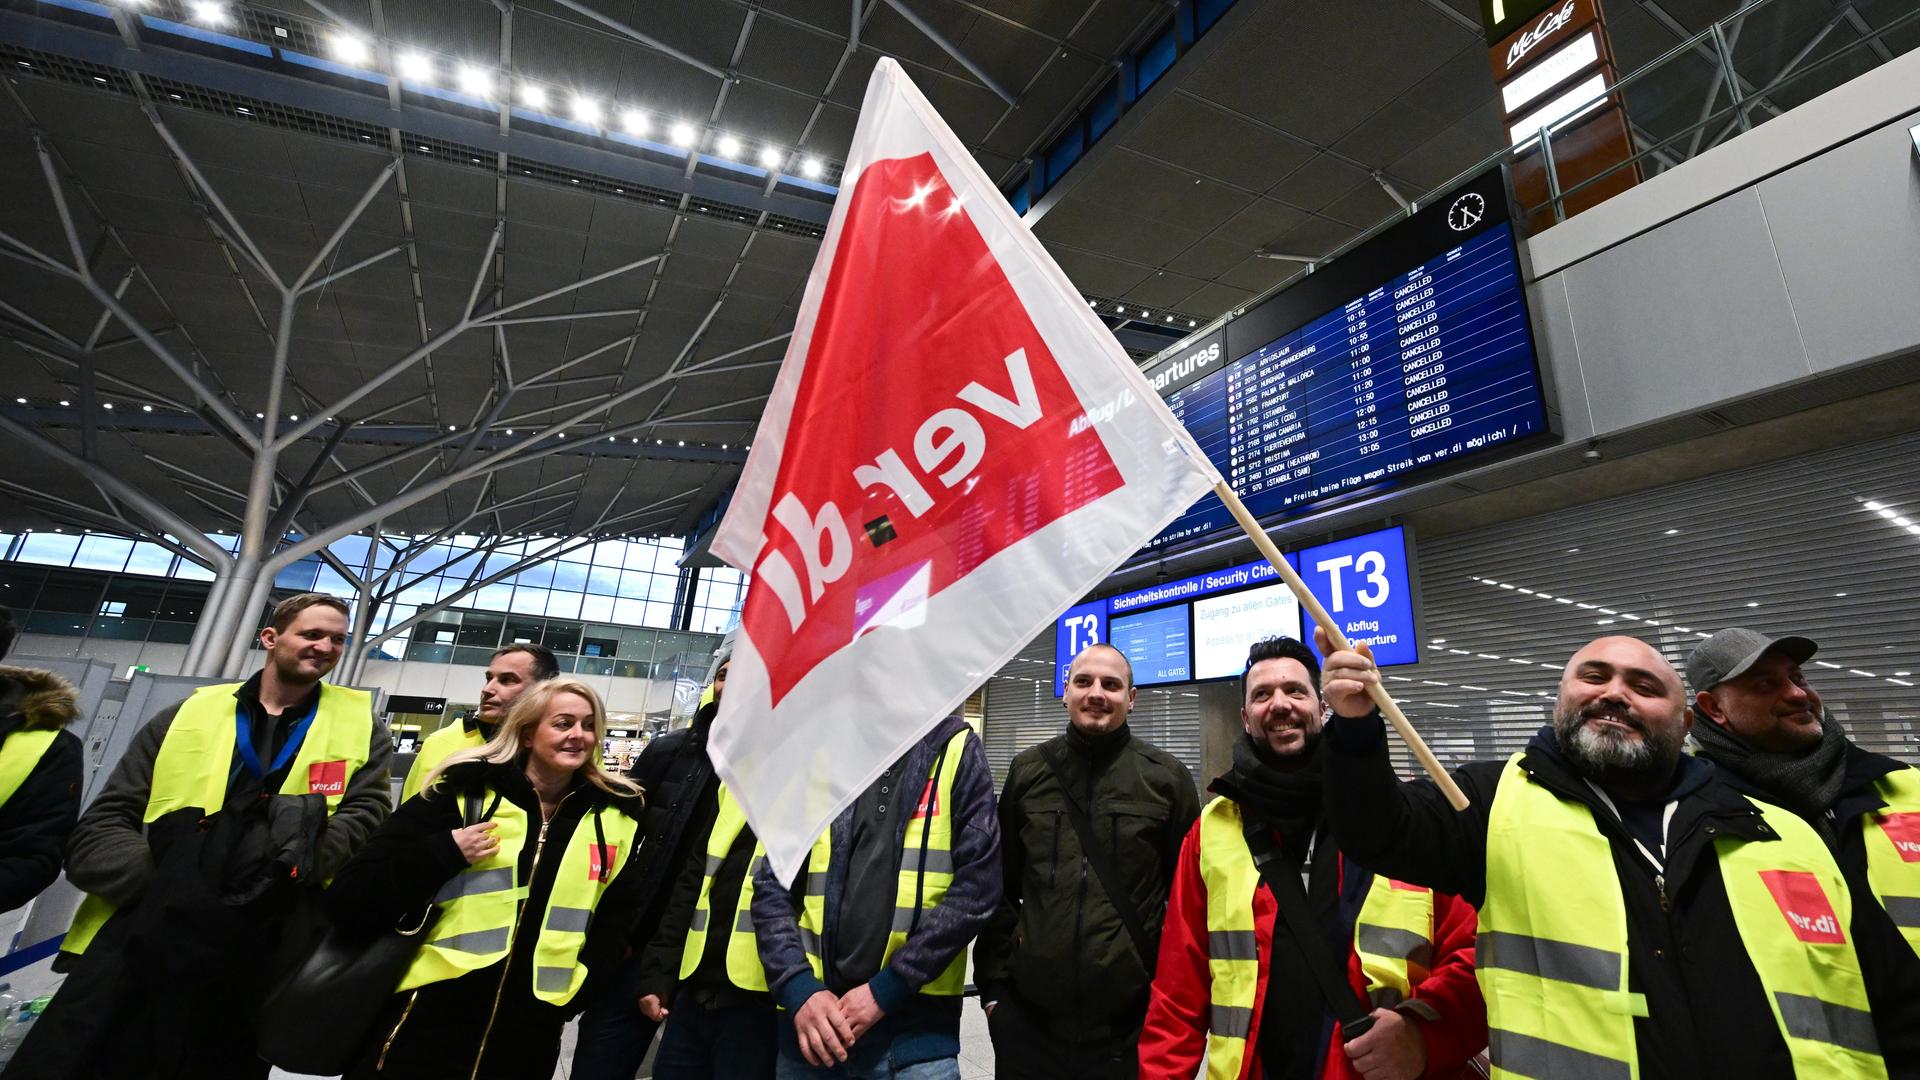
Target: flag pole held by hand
1375	690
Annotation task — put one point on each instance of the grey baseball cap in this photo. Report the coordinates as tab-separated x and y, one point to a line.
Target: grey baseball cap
1732	651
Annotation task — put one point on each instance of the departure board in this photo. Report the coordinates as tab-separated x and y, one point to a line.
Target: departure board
1411	352
1156	643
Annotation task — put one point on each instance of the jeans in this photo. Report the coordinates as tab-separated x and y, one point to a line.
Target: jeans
739	1042
613	1035
866	1062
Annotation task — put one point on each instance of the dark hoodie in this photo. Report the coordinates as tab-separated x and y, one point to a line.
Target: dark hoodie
35	821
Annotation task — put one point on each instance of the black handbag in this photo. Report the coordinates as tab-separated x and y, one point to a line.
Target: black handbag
320	1017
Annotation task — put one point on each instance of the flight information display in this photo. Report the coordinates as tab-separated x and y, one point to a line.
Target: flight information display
1413	351
1156	643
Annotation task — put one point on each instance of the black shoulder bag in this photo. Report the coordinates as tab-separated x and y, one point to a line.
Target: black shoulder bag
1354	1014
1102	870
347	979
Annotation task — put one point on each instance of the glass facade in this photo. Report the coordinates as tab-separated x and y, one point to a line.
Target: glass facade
603	601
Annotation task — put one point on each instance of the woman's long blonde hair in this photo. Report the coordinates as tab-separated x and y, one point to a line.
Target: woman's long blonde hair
509	743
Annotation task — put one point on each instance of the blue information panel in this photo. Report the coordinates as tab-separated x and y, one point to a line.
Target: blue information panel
1157	644
1363	582
1199	627
1408	353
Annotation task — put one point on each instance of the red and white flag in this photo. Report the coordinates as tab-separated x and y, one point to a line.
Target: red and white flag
955	451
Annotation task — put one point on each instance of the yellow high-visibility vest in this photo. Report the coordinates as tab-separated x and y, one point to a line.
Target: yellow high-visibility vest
19	756
437	748
926	872
195	764
481	907
1552	960
1393	935
743	950
1893	850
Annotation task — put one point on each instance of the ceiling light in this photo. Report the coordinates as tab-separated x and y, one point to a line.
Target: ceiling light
586	110
295	416
475	81
683	442
1887	512
681	134
349	48
509	431
1191	324
1673	532
20	401
1145	314
1120	308
107	405
1753	603
563	434
533	96
811	169
728	146
256	416
453	427
770	157
208	12
634	122
414	67
1871	505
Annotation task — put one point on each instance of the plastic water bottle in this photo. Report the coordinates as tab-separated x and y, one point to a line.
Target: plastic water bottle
19	1016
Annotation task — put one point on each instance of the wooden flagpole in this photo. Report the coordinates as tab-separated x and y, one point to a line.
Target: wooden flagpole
1375	690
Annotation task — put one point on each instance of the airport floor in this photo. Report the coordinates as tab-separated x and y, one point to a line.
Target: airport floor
976	1050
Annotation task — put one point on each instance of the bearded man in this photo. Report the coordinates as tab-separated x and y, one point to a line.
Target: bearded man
1638	914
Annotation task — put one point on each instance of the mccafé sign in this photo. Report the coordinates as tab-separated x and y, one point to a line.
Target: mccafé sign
1539	35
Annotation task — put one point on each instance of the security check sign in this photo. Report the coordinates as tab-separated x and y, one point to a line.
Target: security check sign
955	450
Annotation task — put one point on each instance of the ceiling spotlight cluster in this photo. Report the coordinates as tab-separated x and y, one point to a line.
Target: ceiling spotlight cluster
490	85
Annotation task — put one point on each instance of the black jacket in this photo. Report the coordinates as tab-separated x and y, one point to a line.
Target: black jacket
919	1028
442	1028
1707	1014
682	795
1057	940
34	823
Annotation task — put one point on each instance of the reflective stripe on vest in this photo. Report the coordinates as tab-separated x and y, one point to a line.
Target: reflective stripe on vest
439	746
1794	913
1552	961
195	765
1393	936
583	878
477	906
926	872
1893	850
743	951
1226	867
19	755
481	908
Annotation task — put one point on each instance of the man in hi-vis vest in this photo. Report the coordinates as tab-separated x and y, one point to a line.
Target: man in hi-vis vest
510	671
1269	918
1640	918
866	952
700	975
1764	725
201	858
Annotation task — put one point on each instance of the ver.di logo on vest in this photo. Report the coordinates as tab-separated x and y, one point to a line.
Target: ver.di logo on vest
327	778
1805	906
1904	831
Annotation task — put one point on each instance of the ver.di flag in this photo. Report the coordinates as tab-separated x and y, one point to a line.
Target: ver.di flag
955	451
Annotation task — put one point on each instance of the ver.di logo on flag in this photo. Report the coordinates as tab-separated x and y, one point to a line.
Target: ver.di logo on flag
954	452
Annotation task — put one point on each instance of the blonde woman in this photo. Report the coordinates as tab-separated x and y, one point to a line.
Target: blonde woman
522	858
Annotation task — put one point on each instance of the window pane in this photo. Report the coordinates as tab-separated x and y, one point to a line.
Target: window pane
192	571
581	554
564	604
472	655
522	631
149	559
351	550
600	641
171	633
121	629
633	583
630	612
604	580
660	615
661	588
561	637
98	552
609	552
330	582
431	559
53	622
430	653
479	630
19	585
537	576
596	607
493	598
299	576
51	549
529	601
133	598
570	576
66	591
640	555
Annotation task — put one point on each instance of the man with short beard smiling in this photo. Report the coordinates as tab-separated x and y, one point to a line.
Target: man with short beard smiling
1638	915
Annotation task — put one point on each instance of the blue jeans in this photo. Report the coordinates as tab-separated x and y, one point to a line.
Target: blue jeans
735	1043
613	1035
869	1061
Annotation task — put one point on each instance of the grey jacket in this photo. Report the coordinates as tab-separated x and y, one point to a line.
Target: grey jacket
108	855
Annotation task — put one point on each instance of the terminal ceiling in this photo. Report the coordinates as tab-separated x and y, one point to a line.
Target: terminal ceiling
1286	129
